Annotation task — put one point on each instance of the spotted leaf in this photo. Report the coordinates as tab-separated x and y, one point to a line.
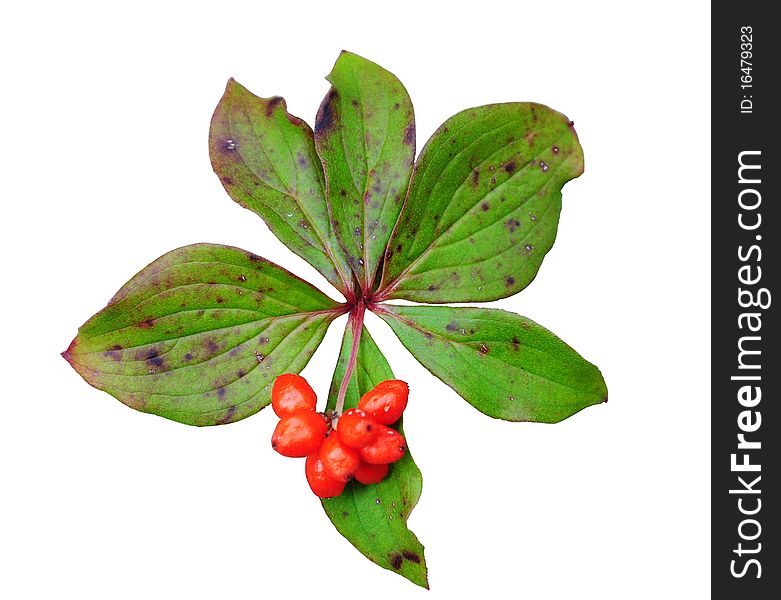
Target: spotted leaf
483	205
199	335
374	517
266	160
504	365
365	136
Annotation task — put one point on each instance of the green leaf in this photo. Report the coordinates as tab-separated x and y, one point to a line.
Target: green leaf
504	365
374	517
199	335
365	136
266	160
483	205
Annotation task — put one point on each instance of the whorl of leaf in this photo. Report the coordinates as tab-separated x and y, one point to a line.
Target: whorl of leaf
199	335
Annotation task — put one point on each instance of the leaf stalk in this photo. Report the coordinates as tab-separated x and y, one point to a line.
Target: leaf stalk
357	314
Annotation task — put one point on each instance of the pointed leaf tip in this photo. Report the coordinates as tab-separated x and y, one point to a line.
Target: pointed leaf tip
67	354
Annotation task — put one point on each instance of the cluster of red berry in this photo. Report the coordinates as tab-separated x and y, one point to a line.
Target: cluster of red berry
357	444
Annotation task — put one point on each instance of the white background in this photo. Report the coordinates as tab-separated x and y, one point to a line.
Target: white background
105	113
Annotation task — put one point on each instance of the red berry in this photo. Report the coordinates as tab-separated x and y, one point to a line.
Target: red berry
291	393
322	484
368	473
387	448
339	460
299	434
356	429
386	402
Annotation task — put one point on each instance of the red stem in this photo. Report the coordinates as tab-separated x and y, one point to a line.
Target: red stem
356	321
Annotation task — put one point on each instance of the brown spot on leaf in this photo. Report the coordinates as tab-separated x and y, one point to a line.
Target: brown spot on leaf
510	281
483	349
325	115
512	224
484	206
188	357
228	415
219	299
516	343
409	135
147	323
154	360
510	166
475	178
134	401
395	560
272	103
452	326
411	556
